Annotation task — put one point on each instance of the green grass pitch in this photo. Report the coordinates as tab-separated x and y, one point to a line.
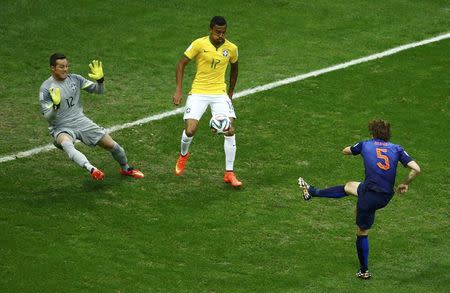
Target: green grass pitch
62	232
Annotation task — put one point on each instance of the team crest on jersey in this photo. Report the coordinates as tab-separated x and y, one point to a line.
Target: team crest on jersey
73	87
188	110
225	53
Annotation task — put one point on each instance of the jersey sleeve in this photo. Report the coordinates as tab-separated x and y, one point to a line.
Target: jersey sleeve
192	50
46	103
356	148
89	86
404	157
234	56
45	100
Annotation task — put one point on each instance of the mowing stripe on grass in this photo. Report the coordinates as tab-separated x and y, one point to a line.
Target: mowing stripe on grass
244	93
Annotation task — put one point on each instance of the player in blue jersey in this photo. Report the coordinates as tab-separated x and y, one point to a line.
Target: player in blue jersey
380	161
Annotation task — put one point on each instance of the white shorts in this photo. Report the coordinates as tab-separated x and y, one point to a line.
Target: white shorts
196	106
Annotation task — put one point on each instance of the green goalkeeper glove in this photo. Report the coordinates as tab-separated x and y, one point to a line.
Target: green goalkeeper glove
55	93
96	70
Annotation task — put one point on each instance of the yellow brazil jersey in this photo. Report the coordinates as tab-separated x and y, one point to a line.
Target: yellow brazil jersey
211	64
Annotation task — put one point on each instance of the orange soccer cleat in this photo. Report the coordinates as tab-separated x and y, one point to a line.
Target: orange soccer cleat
231	179
181	162
132	172
97	174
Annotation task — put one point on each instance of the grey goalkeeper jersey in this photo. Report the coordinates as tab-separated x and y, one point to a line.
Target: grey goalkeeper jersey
71	109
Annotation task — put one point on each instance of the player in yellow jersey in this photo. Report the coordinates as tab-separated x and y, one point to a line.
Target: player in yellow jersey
212	54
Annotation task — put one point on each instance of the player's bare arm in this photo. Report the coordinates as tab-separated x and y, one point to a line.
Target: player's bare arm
234	70
413	173
347	151
177	96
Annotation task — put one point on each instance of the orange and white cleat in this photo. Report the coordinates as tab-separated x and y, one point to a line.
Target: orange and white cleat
97	174
181	162
132	172
231	179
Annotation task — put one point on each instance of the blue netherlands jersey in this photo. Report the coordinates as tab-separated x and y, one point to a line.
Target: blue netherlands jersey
380	163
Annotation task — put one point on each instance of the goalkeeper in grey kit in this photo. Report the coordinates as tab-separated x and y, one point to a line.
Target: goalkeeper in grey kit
59	97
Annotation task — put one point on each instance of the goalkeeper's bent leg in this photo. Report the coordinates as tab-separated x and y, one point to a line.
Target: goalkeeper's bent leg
120	156
75	155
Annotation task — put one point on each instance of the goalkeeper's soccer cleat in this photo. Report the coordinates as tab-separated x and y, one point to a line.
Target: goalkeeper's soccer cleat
304	188
132	172
97	174
231	179
363	275
181	163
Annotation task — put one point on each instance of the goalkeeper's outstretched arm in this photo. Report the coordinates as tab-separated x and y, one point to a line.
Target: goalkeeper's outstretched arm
96	88
97	74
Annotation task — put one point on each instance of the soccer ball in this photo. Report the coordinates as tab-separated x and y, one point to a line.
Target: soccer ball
220	123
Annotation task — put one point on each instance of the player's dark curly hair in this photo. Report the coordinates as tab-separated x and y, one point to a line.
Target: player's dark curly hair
55	57
380	129
217	20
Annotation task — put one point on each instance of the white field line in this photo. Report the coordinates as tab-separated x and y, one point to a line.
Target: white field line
244	93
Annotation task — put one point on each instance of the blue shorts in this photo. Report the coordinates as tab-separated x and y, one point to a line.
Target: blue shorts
368	202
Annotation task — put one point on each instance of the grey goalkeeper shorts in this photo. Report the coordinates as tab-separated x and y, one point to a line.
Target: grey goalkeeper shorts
83	129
